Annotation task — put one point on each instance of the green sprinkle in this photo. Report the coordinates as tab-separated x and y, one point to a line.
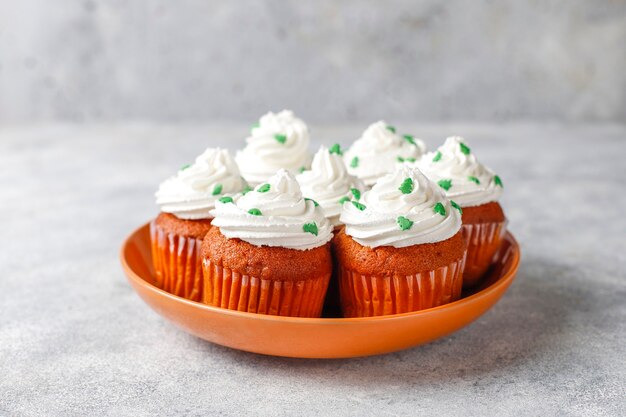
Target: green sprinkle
456	206
401	159
217	189
343	199
356	193
280	138
404	223
410	139
359	205
336	149
246	189
437	157
355	162
498	181
226	199
184	167
439	208
464	148
473	179
310	228
314	202
445	184
255	212
407	186
263	188
301	170
391	128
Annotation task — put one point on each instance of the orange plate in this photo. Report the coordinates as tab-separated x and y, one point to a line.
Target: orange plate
315	338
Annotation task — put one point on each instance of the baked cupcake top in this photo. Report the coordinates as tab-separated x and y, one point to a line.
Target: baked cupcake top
329	183
192	192
274	214
457	171
278	140
378	151
403	209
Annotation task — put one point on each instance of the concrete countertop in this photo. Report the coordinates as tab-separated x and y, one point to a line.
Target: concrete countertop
75	339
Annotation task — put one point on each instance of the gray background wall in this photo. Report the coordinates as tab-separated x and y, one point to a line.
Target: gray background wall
331	61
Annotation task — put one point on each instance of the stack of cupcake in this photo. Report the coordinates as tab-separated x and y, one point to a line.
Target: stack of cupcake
380	228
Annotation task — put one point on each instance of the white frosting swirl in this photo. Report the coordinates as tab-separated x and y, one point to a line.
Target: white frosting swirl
403	209
378	150
280	140
192	192
329	183
455	167
274	214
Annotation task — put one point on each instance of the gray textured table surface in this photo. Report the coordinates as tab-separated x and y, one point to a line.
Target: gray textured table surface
76	340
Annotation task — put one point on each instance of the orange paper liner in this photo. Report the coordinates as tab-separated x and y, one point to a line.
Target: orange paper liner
177	263
332	303
483	241
229	289
367	296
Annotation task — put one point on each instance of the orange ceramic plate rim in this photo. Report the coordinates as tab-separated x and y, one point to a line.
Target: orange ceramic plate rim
504	280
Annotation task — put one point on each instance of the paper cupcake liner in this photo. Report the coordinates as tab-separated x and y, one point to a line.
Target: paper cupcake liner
367	296
229	289
483	241
177	263
332	302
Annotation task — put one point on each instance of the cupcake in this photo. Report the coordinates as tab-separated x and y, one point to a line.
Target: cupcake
329	184
378	151
268	252
279	140
401	250
186	200
476	189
